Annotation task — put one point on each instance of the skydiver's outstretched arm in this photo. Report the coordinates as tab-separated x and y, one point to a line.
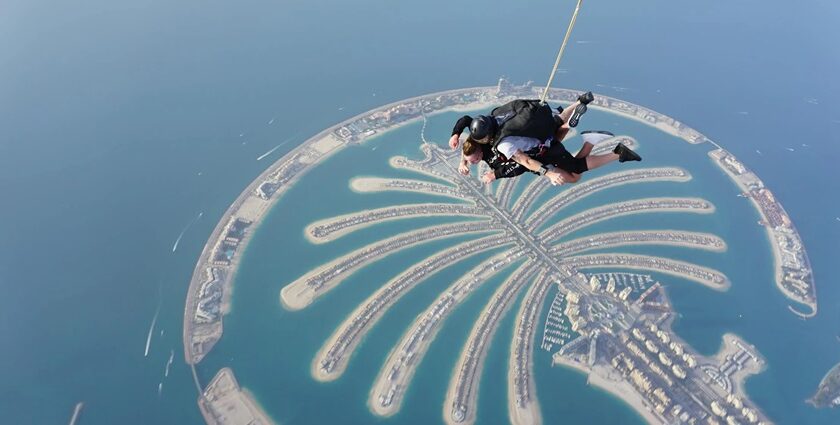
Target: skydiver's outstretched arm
506	170
556	175
460	125
527	162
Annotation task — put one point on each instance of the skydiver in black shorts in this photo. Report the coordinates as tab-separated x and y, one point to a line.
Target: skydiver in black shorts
514	155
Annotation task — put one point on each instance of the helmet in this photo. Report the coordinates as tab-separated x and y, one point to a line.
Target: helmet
482	126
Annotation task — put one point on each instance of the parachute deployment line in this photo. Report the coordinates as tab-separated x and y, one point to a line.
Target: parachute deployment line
562	48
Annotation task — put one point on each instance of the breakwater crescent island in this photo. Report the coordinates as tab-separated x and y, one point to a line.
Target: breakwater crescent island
499	221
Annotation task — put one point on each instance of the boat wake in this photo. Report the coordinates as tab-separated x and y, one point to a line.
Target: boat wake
169	363
259	158
177	241
151	331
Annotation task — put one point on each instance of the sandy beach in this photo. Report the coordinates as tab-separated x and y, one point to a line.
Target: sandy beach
624	391
599	377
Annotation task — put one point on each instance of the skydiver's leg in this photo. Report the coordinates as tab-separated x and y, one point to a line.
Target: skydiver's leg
567	113
585	150
561	133
595	161
569	166
590	139
558	156
574	178
620	152
563	119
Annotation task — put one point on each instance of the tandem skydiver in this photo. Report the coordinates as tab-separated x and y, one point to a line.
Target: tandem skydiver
529	134
559	157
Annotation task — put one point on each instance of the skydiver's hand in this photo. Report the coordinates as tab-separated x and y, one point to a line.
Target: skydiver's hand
555	177
453	141
488	177
464	169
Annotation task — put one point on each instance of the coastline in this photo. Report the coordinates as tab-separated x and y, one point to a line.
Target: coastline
531	414
730	341
395	357
525	273
828	383
224	402
297	153
624	392
204	262
715	155
608	379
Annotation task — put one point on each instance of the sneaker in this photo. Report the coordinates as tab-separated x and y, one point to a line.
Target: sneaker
626	154
575	118
586	98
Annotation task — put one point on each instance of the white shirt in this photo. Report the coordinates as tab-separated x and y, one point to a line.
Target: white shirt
509	145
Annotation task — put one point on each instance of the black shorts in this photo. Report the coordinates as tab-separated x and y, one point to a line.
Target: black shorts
558	156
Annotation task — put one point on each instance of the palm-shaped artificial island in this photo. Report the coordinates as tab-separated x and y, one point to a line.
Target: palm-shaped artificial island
617	332
540	256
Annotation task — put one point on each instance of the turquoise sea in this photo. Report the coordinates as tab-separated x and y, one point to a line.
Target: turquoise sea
120	123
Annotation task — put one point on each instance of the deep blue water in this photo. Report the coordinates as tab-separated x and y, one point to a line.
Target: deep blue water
120	122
